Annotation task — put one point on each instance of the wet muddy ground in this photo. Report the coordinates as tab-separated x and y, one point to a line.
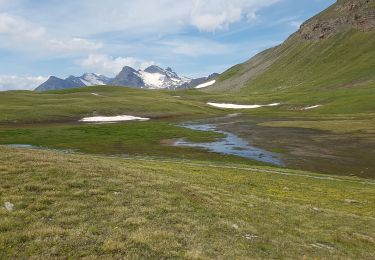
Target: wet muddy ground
306	149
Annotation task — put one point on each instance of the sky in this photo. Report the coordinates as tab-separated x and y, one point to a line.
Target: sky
194	37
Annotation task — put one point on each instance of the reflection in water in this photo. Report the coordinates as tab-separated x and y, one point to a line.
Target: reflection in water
231	144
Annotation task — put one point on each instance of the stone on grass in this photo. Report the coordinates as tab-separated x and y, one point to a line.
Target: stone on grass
235	226
9	206
251	236
351	201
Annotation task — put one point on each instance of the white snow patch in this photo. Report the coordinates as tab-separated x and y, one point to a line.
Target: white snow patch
110	119
154	80
207	84
234	106
312	107
162	80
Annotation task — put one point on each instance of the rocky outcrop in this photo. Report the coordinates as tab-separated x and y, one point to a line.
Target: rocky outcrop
344	15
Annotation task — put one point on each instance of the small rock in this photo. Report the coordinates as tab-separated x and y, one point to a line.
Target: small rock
324	246
316	209
9	206
365	237
251	236
117	193
45	219
285	188
351	201
235	226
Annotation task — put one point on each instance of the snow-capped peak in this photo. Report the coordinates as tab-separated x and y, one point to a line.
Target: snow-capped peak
93	79
155	77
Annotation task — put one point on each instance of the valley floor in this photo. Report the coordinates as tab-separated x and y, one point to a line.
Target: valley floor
128	192
73	206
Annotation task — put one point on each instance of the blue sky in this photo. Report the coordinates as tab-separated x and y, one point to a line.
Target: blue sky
194	37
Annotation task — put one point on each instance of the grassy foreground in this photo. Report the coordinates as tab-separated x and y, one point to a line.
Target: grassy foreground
83	206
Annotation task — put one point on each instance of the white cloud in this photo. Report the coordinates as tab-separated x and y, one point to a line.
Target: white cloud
195	47
214	15
19	28
207	19
21	34
73	45
107	65
145	16
14	82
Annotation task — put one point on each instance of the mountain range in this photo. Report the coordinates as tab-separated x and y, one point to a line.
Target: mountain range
153	77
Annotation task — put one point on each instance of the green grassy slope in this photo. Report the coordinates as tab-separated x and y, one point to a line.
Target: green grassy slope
337	70
71	206
342	62
73	104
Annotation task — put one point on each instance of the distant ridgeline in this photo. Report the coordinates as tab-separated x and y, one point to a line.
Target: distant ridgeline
332	50
152	77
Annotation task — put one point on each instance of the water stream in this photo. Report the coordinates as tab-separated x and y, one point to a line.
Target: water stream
230	144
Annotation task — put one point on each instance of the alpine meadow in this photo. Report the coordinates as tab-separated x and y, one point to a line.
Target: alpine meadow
271	158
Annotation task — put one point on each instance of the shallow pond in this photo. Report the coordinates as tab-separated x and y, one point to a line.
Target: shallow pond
230	144
29	146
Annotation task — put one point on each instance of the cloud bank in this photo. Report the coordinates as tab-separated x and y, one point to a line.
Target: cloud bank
110	66
15	82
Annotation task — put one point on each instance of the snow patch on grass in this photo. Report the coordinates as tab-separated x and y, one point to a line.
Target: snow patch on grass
234	106
311	107
207	84
111	119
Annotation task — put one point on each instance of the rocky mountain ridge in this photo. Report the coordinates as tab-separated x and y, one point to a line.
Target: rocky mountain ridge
153	77
344	15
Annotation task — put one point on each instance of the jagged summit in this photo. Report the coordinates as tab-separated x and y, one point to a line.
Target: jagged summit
127	77
154	69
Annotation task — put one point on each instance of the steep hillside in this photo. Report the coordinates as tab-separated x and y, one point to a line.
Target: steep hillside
332	50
